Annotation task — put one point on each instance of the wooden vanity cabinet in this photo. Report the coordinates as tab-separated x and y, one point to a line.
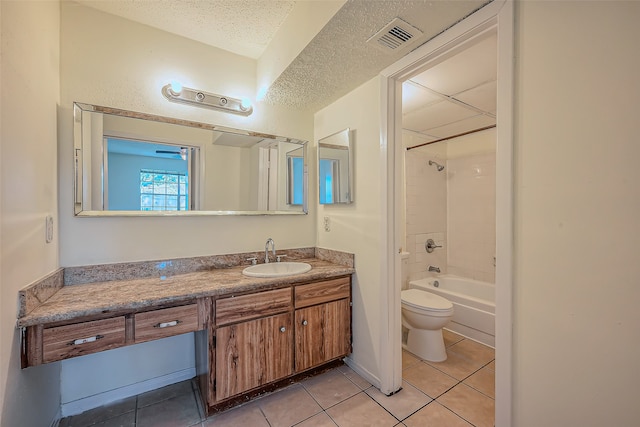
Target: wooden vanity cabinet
268	336
252	354
253	341
45	343
323	322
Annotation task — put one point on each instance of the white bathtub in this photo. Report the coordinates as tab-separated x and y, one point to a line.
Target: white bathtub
473	305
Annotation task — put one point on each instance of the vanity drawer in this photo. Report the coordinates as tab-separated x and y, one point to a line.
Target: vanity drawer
317	293
253	306
63	342
166	322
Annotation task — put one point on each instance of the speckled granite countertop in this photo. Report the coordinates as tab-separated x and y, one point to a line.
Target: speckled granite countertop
81	300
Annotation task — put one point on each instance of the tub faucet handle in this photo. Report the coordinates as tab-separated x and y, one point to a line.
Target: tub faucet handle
430	245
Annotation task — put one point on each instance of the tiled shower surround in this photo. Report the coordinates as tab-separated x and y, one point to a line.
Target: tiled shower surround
454	207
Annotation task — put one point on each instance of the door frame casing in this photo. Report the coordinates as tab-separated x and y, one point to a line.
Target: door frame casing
498	14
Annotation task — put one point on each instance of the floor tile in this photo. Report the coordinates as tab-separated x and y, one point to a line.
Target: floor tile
435	415
248	415
101	414
464	358
458	366
403	403
484	381
179	411
408	359
474	351
360	410
356	379
124	420
450	338
164	393
289	406
319	420
470	404
330	388
428	379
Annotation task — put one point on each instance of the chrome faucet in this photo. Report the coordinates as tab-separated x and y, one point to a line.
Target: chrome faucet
266	249
434	268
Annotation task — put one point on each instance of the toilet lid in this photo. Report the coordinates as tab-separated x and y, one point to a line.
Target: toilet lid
423	299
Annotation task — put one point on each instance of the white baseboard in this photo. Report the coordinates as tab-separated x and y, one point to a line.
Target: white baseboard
56	419
95	401
364	373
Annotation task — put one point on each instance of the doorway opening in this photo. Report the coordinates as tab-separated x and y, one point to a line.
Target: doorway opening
496	17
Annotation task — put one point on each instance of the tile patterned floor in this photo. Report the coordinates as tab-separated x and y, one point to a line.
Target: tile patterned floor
456	392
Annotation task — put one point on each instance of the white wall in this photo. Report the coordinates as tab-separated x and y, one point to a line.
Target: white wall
29	80
577	195
355	227
110	61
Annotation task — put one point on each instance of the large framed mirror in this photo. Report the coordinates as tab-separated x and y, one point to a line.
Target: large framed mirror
335	168
135	164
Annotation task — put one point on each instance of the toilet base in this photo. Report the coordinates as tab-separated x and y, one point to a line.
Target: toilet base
426	344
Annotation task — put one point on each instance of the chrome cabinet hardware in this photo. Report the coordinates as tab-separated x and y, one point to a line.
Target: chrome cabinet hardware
86	340
167	324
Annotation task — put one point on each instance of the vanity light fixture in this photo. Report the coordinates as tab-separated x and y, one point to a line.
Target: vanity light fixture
175	92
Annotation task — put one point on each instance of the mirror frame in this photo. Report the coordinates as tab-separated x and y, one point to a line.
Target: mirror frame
79	108
340	140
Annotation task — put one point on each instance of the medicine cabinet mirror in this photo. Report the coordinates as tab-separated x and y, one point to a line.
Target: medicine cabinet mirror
136	164
335	168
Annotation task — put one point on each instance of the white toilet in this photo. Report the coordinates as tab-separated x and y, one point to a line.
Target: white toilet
424	314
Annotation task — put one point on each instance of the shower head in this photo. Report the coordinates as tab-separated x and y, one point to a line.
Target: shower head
438	166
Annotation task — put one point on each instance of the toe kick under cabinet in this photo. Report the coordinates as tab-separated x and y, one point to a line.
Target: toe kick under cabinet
260	340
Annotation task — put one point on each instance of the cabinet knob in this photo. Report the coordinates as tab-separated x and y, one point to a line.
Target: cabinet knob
305	323
282	329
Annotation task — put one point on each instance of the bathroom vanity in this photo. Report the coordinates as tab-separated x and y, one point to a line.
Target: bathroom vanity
251	334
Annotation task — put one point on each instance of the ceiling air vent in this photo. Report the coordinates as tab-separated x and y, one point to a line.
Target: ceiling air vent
396	35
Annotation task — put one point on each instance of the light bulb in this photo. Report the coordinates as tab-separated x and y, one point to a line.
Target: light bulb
176	87
245	104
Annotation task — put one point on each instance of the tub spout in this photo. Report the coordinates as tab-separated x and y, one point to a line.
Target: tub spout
434	268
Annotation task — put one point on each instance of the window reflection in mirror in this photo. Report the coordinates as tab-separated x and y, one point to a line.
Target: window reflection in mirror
147	176
295	177
335	168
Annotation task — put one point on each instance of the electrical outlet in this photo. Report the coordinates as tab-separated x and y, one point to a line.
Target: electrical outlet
49	229
327	224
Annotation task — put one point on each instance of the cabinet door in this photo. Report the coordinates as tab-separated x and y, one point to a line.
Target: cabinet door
251	354
323	333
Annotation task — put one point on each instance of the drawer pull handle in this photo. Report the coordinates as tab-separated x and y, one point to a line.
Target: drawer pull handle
86	340
167	324
282	329
305	323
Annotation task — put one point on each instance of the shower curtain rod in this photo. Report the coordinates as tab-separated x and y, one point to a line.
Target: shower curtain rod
451	137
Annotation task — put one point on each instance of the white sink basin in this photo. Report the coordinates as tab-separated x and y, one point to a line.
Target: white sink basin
276	269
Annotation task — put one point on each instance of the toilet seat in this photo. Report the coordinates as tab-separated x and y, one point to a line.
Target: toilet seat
424	300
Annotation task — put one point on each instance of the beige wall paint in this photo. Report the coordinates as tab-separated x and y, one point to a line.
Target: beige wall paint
110	61
355	227
29	80
577	210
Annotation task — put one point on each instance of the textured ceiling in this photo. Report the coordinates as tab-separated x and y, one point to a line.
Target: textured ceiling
337	60
244	27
